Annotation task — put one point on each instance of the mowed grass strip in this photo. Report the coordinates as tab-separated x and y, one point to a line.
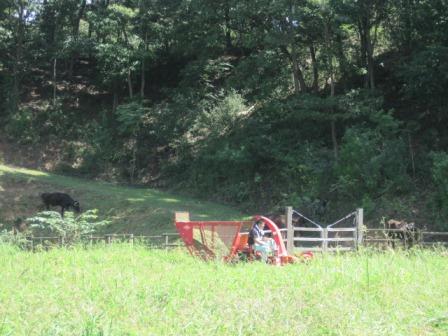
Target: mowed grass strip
132	210
124	290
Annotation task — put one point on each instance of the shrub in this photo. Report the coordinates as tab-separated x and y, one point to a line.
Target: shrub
8	237
439	174
20	126
371	163
221	118
71	228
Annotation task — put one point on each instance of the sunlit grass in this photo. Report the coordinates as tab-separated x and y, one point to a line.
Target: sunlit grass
24	171
120	290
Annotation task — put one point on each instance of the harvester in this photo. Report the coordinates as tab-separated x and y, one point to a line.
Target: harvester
228	240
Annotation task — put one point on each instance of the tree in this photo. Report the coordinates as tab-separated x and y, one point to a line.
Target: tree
116	51
17	16
367	17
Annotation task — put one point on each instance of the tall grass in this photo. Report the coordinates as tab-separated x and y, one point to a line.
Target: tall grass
124	290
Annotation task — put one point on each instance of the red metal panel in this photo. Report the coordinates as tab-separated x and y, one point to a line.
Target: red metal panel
185	230
276	235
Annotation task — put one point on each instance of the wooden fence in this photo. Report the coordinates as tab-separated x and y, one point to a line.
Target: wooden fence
384	238
324	238
165	240
378	238
297	238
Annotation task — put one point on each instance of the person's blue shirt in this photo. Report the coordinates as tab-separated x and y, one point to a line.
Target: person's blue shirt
255	233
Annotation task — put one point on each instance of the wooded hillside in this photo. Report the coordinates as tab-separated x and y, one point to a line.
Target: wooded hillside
325	105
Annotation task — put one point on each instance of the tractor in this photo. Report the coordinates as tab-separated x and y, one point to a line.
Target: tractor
228	240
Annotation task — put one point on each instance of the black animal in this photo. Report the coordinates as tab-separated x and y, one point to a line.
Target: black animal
60	199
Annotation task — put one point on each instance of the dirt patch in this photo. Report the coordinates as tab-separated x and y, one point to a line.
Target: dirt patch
21	155
42	157
18	199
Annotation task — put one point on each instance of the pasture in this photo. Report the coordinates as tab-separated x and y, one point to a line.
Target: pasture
131	210
129	290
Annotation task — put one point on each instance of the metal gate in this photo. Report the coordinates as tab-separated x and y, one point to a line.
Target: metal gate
343	235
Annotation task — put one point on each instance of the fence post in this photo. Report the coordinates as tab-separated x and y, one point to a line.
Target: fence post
359	225
324	235
166	241
290	231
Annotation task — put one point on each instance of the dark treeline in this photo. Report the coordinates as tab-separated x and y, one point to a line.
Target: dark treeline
322	104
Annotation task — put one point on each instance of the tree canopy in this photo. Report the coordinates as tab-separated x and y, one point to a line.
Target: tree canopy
259	103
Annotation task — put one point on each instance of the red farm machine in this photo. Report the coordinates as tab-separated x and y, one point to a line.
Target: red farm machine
228	240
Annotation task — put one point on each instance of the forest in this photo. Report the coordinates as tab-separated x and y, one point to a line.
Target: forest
325	105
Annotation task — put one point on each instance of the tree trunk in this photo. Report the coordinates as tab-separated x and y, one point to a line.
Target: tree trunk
371	70
227	28
315	85
370	62
343	63
362	27
367	51
54	80
71	66
143	76
75	34
131	94
115	101
143	79
17	66
334	139
297	75
408	8
329	48
411	151
133	162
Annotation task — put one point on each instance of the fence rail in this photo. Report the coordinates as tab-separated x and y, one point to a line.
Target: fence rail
165	240
325	238
383	237
296	238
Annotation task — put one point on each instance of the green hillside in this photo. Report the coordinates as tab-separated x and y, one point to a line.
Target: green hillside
134	210
322	105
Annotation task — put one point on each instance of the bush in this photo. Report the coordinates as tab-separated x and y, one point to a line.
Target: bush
70	228
439	174
20	126
257	159
46	121
10	238
221	118
371	164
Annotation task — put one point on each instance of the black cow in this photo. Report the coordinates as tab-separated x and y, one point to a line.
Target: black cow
60	199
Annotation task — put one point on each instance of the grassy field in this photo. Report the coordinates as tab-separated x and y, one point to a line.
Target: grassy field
132	210
124	290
